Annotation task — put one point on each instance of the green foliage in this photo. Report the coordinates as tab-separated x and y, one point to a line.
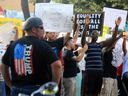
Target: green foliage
95	5
32	1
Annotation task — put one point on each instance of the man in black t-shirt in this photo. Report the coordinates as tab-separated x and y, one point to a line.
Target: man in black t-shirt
70	67
28	58
58	44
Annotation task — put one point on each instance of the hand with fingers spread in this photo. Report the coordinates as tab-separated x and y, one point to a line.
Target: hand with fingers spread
118	21
87	21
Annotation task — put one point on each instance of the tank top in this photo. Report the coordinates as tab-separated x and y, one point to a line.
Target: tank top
94	60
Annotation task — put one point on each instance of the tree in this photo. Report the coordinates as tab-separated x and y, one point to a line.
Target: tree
25	8
95	5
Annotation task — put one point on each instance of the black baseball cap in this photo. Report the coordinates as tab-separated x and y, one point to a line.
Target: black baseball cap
32	22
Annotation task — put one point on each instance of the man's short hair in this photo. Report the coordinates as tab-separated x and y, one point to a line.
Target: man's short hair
91	30
47	32
32	22
69	39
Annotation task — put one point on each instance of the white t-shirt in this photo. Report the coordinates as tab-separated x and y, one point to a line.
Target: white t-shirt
82	64
125	64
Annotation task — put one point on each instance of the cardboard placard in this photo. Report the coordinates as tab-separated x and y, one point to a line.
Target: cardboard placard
112	14
96	23
17	23
56	17
125	33
6	32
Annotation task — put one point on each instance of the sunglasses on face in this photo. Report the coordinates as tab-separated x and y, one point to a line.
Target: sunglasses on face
41	27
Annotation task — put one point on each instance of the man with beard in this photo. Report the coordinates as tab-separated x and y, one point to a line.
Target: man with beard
70	67
57	46
93	74
28	58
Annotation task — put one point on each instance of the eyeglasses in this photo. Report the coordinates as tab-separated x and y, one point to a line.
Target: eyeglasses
41	27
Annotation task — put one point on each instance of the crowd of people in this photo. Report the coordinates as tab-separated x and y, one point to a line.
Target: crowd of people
86	69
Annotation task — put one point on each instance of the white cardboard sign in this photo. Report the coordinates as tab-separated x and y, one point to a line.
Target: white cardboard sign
56	17
112	14
6	32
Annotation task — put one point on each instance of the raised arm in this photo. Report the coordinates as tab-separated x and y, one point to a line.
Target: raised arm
68	33
110	46
124	45
16	34
83	39
112	39
75	37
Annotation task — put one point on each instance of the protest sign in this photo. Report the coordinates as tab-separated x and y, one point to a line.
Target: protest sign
105	28
126	25
2	51
112	14
55	17
17	23
96	23
125	33
6	32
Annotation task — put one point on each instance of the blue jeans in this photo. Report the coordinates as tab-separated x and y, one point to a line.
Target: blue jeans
2	88
25	90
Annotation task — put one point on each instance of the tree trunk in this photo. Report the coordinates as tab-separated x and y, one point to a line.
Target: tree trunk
25	8
43	1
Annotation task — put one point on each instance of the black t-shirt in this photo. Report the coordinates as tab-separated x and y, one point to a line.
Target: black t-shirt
57	45
70	67
28	58
109	63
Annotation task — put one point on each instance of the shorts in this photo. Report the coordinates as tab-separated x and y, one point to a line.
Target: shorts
93	82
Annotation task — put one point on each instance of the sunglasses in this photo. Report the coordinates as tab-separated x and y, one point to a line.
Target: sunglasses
41	27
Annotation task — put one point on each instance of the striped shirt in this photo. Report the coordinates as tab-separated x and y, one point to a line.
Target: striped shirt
93	61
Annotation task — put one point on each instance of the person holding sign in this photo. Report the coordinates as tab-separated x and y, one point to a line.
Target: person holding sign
93	74
57	45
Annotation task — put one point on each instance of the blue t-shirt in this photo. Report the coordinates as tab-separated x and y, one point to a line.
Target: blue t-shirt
70	67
